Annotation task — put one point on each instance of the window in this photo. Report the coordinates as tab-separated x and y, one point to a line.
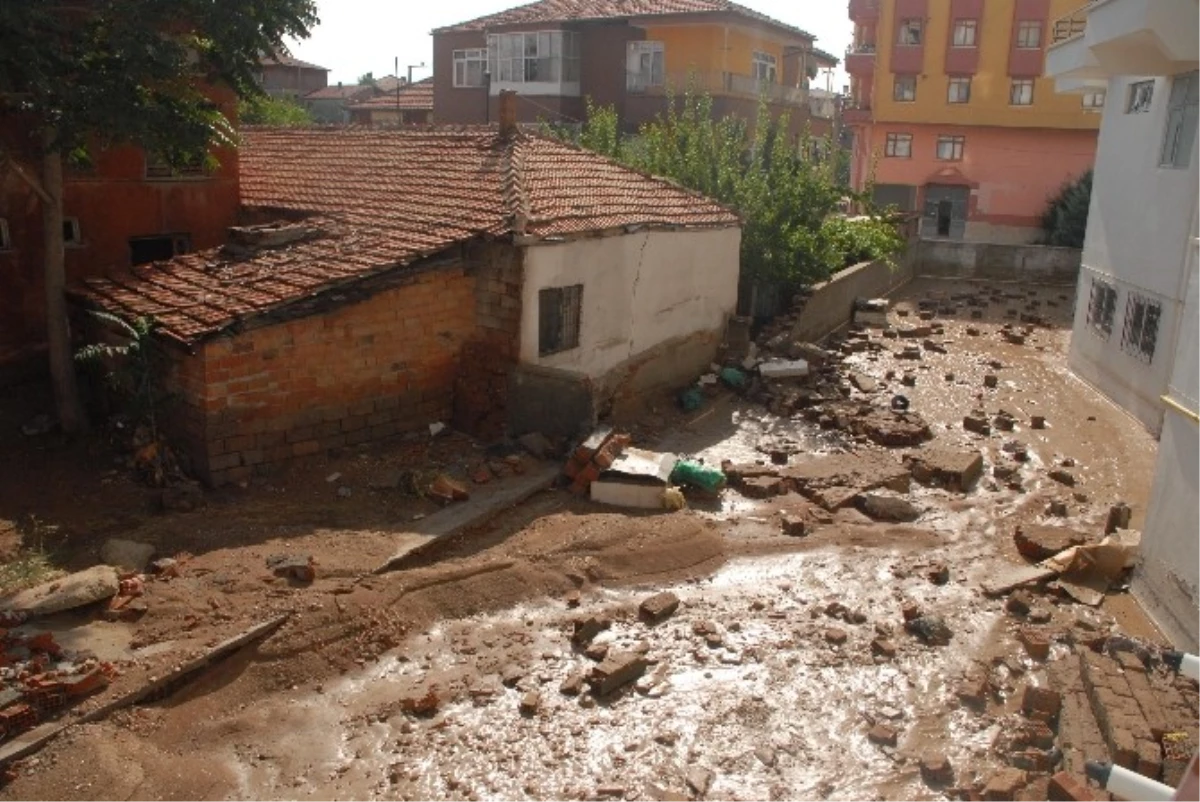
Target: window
905	89
1102	306
72	234
959	90
144	250
898	146
5	241
1021	92
1029	34
469	67
1180	135
1141	96
158	167
528	58
964	32
1094	100
764	68
644	66
1141	327
910	32
558	319
950	148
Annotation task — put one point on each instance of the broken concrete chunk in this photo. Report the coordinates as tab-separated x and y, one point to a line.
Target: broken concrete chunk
863	382
585	629
885	507
97	583
930	628
1037	543
883	648
659	606
957	470
127	554
617	670
300	568
700	780
936	770
784	369
530	703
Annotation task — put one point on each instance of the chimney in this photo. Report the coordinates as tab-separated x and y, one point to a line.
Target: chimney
508	112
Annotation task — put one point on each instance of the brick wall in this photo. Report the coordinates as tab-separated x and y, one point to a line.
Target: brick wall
356	373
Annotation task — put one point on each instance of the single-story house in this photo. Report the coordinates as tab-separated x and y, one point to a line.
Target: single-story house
410	104
331	104
390	278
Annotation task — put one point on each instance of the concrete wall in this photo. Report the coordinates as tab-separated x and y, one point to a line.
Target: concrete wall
832	302
639	291
982	260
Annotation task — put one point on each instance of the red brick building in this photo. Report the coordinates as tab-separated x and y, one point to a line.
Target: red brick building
397	290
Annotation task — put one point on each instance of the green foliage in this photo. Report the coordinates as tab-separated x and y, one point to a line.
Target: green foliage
135	367
366	79
139	71
265	110
787	193
1066	215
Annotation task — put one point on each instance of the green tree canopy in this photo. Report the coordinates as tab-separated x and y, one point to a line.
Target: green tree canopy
366	79
1065	219
264	110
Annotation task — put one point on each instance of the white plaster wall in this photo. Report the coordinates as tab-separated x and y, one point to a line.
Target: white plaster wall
639	290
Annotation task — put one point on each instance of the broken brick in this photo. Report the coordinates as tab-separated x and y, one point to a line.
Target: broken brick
658	606
883	735
1067	787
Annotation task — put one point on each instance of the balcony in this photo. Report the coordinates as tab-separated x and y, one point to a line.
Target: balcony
719	84
864	10
856	114
1124	37
860	60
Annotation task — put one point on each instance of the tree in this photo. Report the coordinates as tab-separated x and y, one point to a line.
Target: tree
89	74
366	79
266	110
1066	215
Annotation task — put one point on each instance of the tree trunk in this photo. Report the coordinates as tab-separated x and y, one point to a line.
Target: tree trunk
58	332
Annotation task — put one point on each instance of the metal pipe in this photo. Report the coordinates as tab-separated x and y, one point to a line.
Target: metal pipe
1181	409
1128	784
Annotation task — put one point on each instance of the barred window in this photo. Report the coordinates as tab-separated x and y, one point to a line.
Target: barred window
1102	307
558	318
1141	327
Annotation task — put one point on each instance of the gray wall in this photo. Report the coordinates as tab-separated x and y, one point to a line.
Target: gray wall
832	302
980	260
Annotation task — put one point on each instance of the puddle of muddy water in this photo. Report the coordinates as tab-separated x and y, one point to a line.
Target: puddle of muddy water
774	711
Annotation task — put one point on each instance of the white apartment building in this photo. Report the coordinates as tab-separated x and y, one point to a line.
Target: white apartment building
1137	314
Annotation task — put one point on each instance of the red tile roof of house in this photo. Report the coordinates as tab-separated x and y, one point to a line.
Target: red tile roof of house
379	199
417	96
340	92
585	10
288	61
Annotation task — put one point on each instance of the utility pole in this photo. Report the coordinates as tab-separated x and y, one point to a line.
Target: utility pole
412	67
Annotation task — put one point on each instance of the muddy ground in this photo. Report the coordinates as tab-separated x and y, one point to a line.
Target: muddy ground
443	679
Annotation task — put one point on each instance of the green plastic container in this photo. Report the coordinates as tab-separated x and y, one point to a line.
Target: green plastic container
697	475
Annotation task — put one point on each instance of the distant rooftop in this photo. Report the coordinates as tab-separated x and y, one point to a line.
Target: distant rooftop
288	61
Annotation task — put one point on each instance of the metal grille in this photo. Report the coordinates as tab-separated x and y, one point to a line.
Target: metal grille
1102	307
1141	327
559	312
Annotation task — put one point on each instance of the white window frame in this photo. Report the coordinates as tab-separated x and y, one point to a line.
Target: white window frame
763	67
5	239
464	60
1141	97
1143	323
1029	34
75	237
966	32
1020	92
1094	101
963	94
952	144
904	80
645	66
897	145
911	32
517	59
1179	136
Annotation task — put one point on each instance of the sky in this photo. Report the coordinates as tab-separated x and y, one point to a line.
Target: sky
359	36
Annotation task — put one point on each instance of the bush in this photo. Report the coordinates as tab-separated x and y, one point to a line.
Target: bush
1066	215
266	110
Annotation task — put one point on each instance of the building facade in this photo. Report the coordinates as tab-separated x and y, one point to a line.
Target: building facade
407	104
557	53
953	119
1138	314
284	76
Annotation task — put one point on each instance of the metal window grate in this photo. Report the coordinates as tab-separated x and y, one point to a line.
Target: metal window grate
1141	327
558	318
1102	307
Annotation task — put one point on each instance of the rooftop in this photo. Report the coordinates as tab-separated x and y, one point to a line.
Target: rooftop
373	200
288	61
339	92
591	10
417	96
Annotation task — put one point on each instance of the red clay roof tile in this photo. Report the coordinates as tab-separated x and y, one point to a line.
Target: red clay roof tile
385	198
414	97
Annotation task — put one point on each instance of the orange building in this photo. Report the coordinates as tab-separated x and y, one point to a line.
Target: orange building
953	119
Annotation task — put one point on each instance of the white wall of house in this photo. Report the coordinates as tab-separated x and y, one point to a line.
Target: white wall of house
639	291
1139	228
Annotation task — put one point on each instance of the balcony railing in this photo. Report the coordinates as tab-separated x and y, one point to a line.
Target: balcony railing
1071	25
718	84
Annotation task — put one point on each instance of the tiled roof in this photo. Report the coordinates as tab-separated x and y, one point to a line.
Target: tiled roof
288	61
583	10
824	57
339	92
417	96
385	198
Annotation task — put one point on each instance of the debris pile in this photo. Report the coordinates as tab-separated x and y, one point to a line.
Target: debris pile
39	679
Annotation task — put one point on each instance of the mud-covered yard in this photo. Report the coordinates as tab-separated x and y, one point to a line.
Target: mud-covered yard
787	670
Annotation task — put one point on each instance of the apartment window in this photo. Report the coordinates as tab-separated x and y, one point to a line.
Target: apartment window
764	67
158	167
558	318
905	88
469	67
5	240
950	148
898	146
1102	307
1021	92
959	90
72	233
531	58
1141	327
910	32
1141	96
1094	100
644	66
1180	135
1029	34
964	32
